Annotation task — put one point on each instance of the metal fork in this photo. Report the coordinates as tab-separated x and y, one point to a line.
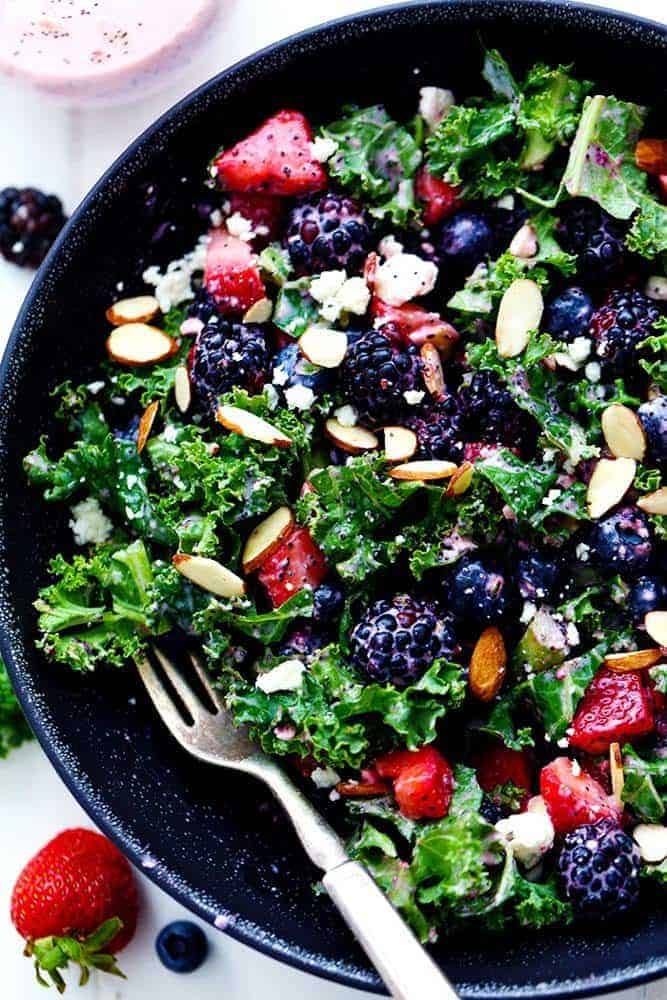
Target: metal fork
406	969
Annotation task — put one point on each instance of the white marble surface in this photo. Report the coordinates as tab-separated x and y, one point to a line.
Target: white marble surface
65	152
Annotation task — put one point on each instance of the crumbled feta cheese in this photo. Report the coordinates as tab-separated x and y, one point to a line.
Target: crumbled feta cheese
563	743
389	246
272	397
89	523
95	387
170	433
656	288
354	296
506	201
191	326
299	397
175	285
337	294
326	285
592	371
434	105
280	375
413	397
239	226
404	277
582	552
322	148
324	777
216	218
528	613
287	676
579	349
346	415
572	634
531	835
551	497
576	768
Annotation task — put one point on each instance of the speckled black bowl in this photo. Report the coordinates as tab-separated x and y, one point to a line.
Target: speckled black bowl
196	831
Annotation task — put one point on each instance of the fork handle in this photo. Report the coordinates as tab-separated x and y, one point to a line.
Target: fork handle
405	967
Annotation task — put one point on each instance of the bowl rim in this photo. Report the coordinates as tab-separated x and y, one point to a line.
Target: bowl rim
246	930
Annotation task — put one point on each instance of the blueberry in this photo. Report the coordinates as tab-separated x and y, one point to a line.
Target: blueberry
653	416
622	543
648	593
291	368
569	314
478	594
465	240
537	577
181	946
328	602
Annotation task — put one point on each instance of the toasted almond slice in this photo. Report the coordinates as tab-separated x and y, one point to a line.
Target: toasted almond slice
139	344
640	659
426	470
461	480
242	422
400	443
323	347
139	309
209	575
266	538
259	312
354	440
520	312
432	373
182	389
616	771
651	839
655	623
361	789
623	432
146	424
487	665
611	480
654	503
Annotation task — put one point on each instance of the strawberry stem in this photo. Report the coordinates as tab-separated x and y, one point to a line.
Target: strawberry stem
53	953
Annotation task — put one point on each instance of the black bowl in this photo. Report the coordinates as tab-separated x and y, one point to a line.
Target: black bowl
199	832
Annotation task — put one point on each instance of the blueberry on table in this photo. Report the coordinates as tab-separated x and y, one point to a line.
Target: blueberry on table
599	868
568	315
648	593
29	223
623	542
181	946
653	415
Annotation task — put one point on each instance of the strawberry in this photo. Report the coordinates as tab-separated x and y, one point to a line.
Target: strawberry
423	781
275	159
616	707
440	199
264	212
232	273
498	765
296	564
415	325
573	798
662	184
76	900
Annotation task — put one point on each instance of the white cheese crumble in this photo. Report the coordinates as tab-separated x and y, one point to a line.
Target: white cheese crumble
531	835
413	397
287	676
175	285
324	777
528	613
89	523
435	103
354	296
299	397
592	371
280	375
336	294
216	218
389	246
95	387
239	226
582	552
326	285
346	415
322	148
551	497
579	349
404	277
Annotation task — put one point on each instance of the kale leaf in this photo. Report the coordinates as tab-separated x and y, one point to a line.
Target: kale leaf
14	729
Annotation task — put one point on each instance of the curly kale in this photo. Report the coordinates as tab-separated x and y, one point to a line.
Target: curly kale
14	729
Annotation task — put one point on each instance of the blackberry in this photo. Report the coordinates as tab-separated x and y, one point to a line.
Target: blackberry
29	223
439	430
328	604
491	415
477	593
625	318
569	314
490	811
537	577
377	372
465	240
648	593
653	415
396	641
225	355
622	542
599	867
291	368
597	240
326	232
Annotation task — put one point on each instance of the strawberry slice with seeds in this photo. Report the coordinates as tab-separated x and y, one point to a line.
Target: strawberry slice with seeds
414	325
297	563
264	211
615	708
499	765
423	781
232	274
573	798
439	198
275	159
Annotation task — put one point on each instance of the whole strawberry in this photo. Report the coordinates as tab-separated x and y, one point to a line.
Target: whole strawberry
75	901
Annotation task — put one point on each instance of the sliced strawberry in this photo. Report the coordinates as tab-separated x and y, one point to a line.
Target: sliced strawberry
662	184
275	159
498	765
264	211
232	273
573	798
415	325
616	707
440	199
423	781
298	563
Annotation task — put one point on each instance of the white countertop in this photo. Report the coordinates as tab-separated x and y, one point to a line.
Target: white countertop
65	152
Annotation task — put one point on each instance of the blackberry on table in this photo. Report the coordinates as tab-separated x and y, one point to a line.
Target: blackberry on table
599	867
397	640
439	430
376	374
623	321
29	223
328	232
653	416
491	415
478	593
597	240
226	355
622	542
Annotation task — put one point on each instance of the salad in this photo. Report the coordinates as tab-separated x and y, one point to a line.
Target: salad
387	445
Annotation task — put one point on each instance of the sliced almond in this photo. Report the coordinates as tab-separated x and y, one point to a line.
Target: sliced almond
361	789
182	389
139	309
323	347
354	440
146	424
487	665
651	839
233	418
654	503
209	575
139	344
461	480
623	432
640	659
426	470
611	480
655	623
259	312
266	538
616	772
432	373
400	443
651	156
520	312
